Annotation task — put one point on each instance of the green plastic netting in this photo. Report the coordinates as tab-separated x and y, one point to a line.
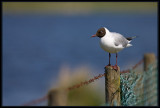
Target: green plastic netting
139	88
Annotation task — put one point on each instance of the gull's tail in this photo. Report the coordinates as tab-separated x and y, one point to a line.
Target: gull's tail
129	40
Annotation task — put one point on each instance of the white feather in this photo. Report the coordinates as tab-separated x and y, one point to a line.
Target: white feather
107	42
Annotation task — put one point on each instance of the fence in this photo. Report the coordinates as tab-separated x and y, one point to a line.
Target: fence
136	88
139	89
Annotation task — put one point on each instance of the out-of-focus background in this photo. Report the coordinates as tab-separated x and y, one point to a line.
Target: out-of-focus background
47	45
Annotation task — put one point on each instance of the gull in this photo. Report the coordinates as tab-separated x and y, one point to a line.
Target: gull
112	42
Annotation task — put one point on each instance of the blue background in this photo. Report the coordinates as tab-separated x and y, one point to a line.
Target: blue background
36	46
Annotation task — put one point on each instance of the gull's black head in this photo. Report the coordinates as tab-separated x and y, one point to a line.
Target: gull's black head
100	33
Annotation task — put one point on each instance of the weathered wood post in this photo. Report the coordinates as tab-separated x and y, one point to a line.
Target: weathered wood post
57	97
112	86
149	58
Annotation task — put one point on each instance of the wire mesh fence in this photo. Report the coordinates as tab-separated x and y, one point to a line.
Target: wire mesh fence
139	89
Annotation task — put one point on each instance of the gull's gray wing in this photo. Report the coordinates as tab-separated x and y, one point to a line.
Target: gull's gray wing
119	39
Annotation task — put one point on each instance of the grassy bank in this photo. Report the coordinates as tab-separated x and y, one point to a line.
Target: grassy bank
78	7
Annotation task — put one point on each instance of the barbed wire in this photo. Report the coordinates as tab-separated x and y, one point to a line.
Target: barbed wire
80	84
135	66
101	75
86	82
33	102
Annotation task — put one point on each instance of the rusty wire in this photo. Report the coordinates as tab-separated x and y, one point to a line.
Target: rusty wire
136	65
80	84
86	82
33	102
101	75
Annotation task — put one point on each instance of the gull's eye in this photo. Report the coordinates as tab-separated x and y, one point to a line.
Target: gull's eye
99	32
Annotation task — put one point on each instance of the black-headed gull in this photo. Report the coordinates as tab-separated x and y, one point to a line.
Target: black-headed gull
112	42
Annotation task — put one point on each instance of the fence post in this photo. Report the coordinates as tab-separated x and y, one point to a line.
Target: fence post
112	86
149	58
57	97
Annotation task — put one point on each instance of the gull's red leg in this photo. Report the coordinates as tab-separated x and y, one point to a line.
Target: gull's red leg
116	58
109	60
115	66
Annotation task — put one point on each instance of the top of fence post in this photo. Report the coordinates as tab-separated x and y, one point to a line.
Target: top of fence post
149	58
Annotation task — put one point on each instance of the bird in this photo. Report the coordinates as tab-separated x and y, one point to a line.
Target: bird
112	42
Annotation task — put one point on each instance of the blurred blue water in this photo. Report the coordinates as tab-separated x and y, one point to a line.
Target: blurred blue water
36	46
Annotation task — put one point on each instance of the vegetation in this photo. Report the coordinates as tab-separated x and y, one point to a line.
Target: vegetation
78	7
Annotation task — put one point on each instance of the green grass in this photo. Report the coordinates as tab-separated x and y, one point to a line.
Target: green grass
78	7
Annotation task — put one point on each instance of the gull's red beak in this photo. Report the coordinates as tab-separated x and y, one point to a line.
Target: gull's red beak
94	35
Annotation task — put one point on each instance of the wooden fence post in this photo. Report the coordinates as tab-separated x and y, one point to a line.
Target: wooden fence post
57	97
112	86
149	58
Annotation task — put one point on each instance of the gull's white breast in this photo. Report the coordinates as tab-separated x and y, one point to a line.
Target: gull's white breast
107	44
